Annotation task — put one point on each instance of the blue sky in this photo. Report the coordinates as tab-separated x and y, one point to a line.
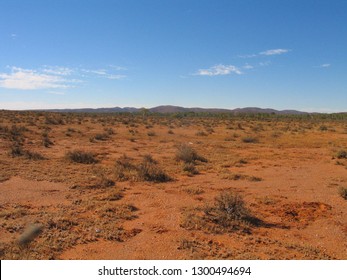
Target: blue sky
202	53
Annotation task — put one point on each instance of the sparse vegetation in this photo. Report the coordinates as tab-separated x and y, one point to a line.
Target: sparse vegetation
227	214
341	154
194	190
79	202
147	170
237	176
46	141
16	150
81	157
250	139
33	155
190	168
228	210
188	155
201	133
343	192
102	136
323	128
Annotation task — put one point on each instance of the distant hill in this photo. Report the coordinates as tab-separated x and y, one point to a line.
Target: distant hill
169	109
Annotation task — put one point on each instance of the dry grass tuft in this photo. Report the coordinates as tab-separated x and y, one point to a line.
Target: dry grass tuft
341	154
148	170
250	139
227	214
343	192
81	157
188	155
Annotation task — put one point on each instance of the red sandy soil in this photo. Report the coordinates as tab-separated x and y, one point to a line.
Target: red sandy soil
289	181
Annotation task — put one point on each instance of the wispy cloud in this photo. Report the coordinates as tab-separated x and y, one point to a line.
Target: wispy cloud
248	55
274	52
115	77
58	70
57	92
105	73
266	53
53	77
247	66
118	68
219	70
27	79
97	71
264	63
325	65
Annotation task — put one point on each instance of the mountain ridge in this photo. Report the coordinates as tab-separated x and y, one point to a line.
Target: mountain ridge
170	109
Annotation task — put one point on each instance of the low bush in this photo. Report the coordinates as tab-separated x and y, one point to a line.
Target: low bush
343	192
190	168
341	154
46	142
147	170
201	133
33	155
229	208
188	155
249	139
102	136
81	157
227	214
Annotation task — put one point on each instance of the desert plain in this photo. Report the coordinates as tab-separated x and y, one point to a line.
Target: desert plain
173	186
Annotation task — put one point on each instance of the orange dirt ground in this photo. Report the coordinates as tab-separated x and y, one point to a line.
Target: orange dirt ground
286	171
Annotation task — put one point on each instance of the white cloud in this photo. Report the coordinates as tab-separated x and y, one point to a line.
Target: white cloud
326	65
264	63
56	92
37	105
274	52
219	70
26	79
115	77
247	66
100	72
105	74
118	68
52	77
57	70
247	55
